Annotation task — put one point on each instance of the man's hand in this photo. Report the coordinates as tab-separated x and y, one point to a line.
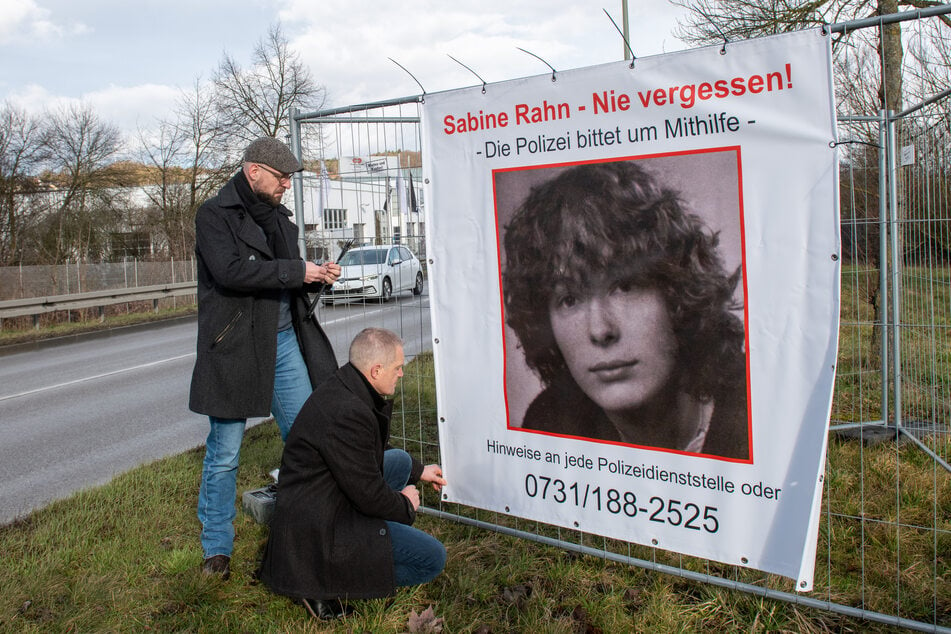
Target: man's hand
412	494
326	273
432	473
333	271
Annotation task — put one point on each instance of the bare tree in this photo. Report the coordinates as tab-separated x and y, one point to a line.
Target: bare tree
166	188
200	125
22	151
257	101
718	20
188	163
81	215
930	61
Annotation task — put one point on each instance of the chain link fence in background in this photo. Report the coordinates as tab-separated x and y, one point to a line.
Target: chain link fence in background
22	282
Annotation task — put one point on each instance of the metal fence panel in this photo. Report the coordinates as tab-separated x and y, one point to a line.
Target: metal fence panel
880	556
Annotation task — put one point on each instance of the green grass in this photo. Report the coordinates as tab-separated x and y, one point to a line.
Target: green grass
124	557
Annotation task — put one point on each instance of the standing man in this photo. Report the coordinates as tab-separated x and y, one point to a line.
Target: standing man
258	353
345	500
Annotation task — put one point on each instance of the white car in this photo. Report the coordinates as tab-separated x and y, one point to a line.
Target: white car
376	272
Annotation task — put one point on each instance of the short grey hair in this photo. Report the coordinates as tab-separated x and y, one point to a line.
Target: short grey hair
372	346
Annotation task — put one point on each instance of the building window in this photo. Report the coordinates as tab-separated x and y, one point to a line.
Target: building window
335	218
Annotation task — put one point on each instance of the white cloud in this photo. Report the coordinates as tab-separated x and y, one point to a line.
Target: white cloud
347	51
345	47
25	21
129	108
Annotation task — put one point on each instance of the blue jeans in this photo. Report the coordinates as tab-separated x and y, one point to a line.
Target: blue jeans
216	496
417	556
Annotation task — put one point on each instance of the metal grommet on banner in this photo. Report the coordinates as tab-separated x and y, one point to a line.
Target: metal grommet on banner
468	69
553	71
726	40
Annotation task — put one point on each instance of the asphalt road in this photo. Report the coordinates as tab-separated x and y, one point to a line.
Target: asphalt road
76	411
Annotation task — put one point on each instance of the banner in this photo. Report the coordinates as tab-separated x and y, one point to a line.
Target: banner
634	288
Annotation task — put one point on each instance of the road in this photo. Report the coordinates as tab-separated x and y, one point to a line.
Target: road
76	411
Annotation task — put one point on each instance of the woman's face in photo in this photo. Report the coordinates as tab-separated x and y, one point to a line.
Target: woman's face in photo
617	341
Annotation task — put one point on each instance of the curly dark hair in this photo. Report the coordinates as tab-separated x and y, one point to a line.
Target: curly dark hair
613	219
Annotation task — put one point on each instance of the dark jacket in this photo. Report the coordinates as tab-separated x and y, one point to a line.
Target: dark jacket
239	288
563	409
328	536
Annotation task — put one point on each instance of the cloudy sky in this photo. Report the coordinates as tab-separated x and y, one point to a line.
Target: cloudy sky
131	58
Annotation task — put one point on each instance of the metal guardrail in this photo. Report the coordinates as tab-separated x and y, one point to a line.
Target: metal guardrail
36	306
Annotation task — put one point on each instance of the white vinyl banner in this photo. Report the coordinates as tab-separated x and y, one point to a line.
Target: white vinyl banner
634	284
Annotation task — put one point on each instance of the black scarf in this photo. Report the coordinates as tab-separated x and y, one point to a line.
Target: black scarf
265	215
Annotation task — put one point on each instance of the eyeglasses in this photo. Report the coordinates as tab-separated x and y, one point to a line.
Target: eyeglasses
281	176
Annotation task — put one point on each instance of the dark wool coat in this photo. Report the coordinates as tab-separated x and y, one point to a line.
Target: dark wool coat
563	409
239	289
328	536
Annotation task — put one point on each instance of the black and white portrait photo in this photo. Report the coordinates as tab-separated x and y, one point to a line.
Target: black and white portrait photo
623	299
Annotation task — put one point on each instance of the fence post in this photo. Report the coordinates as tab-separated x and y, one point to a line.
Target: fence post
172	263
896	263
298	182
883	256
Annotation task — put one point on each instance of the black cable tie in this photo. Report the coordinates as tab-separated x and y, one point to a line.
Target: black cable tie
423	99
539	58
468	69
621	33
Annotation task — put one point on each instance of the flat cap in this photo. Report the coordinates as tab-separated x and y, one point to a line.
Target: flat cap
269	151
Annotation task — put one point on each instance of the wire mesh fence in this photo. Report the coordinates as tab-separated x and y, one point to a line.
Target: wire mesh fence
19	282
923	228
74	278
885	536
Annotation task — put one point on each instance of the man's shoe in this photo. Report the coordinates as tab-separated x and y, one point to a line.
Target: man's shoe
219	565
326	610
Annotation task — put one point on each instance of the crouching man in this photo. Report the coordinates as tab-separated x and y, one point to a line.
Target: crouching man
345	500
